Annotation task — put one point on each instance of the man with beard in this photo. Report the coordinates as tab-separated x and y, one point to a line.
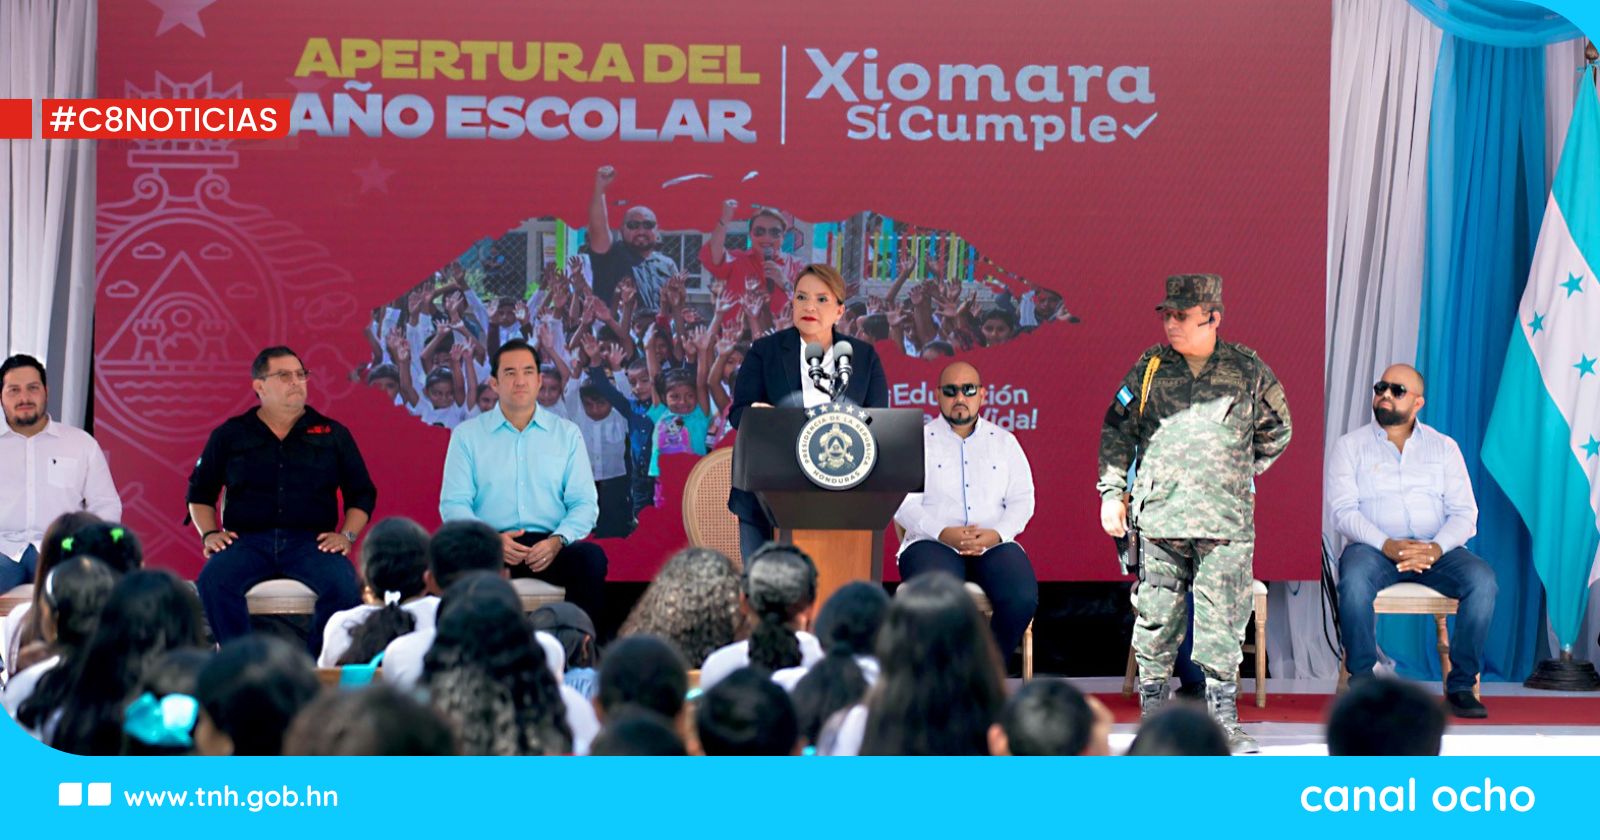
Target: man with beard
1203	417
1400	493
50	469
977	497
638	257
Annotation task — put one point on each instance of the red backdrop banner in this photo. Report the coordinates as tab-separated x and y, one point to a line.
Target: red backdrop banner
1032	169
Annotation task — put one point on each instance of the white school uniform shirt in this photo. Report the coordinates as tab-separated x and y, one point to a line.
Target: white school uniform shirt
21	686
59	470
607	443
336	634
983	479
791	677
449	417
725	660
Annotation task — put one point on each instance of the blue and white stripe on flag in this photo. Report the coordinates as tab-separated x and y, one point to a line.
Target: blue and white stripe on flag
1543	440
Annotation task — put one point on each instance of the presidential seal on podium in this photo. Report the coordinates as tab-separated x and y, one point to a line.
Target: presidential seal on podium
835	447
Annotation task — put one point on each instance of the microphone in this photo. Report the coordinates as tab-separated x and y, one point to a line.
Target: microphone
813	358
767	253
841	364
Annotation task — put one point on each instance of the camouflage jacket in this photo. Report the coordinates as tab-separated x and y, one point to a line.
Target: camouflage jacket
1200	442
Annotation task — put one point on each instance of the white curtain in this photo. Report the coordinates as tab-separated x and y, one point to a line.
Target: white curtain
1381	90
47	50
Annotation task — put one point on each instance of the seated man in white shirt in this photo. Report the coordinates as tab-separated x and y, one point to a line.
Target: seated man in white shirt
1400	492
977	497
50	469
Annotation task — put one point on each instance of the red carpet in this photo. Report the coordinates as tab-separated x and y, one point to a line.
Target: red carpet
1574	710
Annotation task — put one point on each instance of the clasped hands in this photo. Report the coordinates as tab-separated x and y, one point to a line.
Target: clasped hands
1412	555
536	557
969	540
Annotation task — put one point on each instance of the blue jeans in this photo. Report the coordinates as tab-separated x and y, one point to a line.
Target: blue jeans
14	573
1459	574
264	555
1003	572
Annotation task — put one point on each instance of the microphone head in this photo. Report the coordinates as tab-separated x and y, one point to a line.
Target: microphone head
841	350
767	253
814	353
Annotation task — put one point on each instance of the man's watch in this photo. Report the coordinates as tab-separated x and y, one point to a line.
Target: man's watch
351	536
563	540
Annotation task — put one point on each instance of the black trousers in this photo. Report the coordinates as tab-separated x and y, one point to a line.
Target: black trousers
580	568
1004	573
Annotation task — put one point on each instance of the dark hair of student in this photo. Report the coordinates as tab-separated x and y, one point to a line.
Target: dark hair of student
1180	729
49	555
252	689
1383	716
462	546
376	720
746	713
693	601
110	542
645	671
177	672
489	678
847	626
149	613
573	628
74	593
636	731
780	583
940	685
1047	717
393	558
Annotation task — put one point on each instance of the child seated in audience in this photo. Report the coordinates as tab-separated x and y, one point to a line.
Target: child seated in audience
636	731
1180	729
780	587
487	676
941	684
161	718
746	714
847	627
72	594
1385	716
693	602
249	693
1051	717
148	613
394	563
569	625
645	672
82	533
375	720
456	549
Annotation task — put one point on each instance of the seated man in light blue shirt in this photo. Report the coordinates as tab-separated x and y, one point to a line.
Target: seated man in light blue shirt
525	471
1399	491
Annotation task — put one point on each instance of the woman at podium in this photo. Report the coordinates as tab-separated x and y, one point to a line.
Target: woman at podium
779	372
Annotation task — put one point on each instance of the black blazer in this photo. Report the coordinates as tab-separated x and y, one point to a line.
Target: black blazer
771	374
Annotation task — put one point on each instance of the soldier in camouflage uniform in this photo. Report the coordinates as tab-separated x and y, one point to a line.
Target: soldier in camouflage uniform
1213	417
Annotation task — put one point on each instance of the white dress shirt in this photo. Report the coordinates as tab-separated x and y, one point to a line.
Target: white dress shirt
1376	492
59	470
982	479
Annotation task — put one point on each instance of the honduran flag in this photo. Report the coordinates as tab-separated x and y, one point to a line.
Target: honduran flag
1543	440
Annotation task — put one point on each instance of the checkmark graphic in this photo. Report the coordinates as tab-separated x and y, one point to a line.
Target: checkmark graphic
1135	130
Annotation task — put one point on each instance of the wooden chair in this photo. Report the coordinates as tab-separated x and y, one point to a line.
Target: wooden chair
536	593
1258	592
15	598
707	521
281	596
1415	599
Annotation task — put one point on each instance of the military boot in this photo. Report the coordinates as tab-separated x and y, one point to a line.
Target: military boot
1152	696
1222	700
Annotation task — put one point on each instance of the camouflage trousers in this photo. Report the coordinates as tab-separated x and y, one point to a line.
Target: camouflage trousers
1219	573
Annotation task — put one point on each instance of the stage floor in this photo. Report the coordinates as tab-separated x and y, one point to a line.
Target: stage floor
1544	722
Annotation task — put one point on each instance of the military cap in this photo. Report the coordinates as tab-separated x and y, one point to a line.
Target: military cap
1188	290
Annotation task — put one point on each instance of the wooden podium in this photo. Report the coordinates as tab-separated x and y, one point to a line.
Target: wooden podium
842	530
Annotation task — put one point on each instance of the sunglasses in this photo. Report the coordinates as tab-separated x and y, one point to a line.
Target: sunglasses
1392	387
761	230
636	224
968	390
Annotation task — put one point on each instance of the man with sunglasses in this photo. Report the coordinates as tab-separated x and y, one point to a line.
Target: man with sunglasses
1193	422
1399	491
285	467
637	258
763	268
977	497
